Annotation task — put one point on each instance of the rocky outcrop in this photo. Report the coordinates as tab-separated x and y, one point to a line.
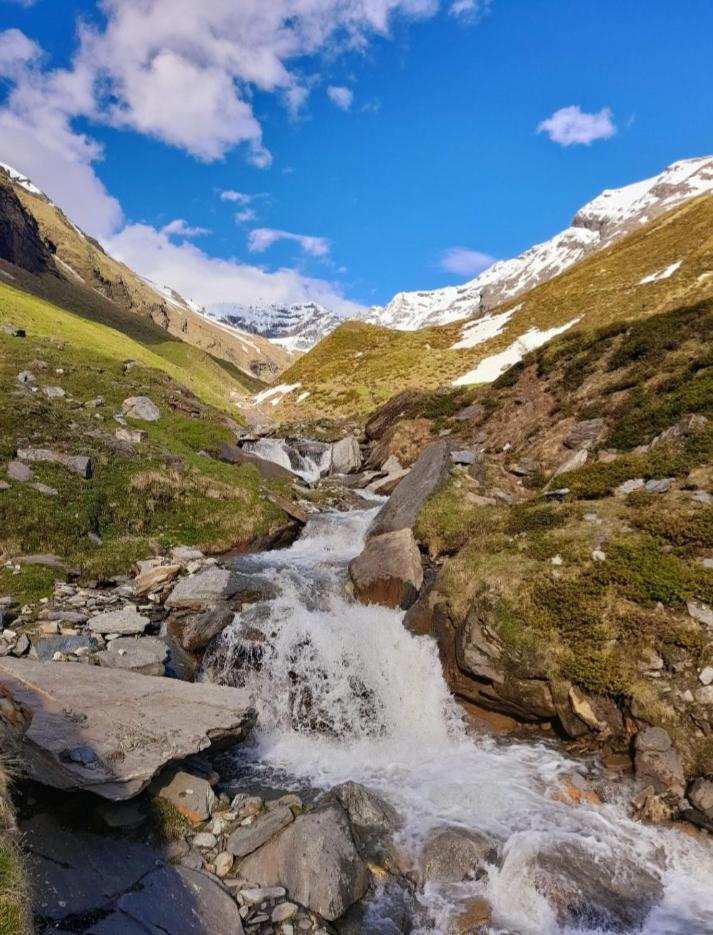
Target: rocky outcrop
20	240
425	477
207	588
108	730
316	860
389	570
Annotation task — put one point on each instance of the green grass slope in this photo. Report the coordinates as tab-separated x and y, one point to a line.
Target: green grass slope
359	366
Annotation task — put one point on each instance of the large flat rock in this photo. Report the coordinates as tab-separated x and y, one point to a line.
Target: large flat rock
109	730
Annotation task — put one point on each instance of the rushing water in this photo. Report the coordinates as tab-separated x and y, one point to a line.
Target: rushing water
343	692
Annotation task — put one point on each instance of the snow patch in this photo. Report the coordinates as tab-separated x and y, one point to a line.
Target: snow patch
302	397
490	368
662	274
490	326
278	392
4	272
21	179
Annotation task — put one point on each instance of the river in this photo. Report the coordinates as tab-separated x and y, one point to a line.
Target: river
343	691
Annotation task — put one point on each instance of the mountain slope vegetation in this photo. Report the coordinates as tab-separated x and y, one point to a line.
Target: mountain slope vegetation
666	263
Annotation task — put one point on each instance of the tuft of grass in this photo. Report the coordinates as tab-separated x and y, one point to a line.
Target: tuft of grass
14	891
165	823
447	521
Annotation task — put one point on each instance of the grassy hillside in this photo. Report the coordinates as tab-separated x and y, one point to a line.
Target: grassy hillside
163	488
358	366
594	586
91	281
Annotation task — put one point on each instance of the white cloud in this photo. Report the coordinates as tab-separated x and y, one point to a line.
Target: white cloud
240	198
465	262
179	228
208	280
16	52
469	11
245	216
340	96
262	238
571	125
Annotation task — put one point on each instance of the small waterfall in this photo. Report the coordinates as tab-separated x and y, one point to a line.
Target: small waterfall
343	692
310	462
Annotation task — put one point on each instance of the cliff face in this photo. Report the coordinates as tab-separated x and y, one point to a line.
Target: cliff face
21	242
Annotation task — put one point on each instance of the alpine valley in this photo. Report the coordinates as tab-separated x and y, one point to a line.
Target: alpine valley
401	624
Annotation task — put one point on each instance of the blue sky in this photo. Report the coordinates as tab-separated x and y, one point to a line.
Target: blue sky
426	147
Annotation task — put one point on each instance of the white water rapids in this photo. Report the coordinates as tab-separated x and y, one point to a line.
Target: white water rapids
343	692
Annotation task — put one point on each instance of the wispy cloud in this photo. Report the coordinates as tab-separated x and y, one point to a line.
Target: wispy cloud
179	228
340	96
571	126
469	11
465	262
262	238
245	216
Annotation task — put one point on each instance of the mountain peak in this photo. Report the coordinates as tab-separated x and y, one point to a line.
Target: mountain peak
296	326
612	214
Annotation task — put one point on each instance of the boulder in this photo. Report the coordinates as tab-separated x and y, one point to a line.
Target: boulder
427	474
700	795
146	656
192	795
366	810
385	486
584	434
453	855
140	407
46	647
346	456
316	860
658	764
110	731
199	629
463	456
204	589
77	464
699	612
248	838
53	392
231	454
154	578
18	471
388	571
126	622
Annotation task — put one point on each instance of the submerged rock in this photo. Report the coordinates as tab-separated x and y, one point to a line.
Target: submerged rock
366	810
453	855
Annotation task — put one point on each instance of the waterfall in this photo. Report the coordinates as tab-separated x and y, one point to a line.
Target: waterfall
308	462
343	692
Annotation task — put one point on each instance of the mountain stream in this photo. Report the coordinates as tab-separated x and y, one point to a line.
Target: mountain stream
345	692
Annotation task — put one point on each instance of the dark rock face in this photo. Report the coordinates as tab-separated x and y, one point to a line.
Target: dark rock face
425	477
20	240
390	412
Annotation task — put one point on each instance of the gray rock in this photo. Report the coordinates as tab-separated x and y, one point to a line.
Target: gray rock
146	656
705	676
232	454
366	810
53	392
18	471
182	554
346	456
388	571
45	490
463	457
629	486
660	485
181	901
453	855
700	795
658	764
4	485
700	612
248	838
127	621
140	407
192	795
577	460
22	645
585	434
132	725
205	589
131	436
46	647
205	841
77	464
425	477
154	577
26	377
198	630
316	860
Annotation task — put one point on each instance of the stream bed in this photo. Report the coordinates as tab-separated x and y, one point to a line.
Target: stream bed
344	692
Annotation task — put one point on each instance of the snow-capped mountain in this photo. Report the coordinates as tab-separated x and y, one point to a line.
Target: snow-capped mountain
609	216
296	327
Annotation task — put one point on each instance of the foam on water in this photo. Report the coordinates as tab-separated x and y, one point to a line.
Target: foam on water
343	692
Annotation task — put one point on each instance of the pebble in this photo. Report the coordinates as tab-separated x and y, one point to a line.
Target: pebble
205	840
706	676
256	895
283	912
599	556
223	864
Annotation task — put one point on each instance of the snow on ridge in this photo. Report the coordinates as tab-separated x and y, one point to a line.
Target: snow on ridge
610	215
482	329
21	180
661	274
490	368
296	326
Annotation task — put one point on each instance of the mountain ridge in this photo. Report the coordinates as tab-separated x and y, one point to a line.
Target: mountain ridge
295	326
